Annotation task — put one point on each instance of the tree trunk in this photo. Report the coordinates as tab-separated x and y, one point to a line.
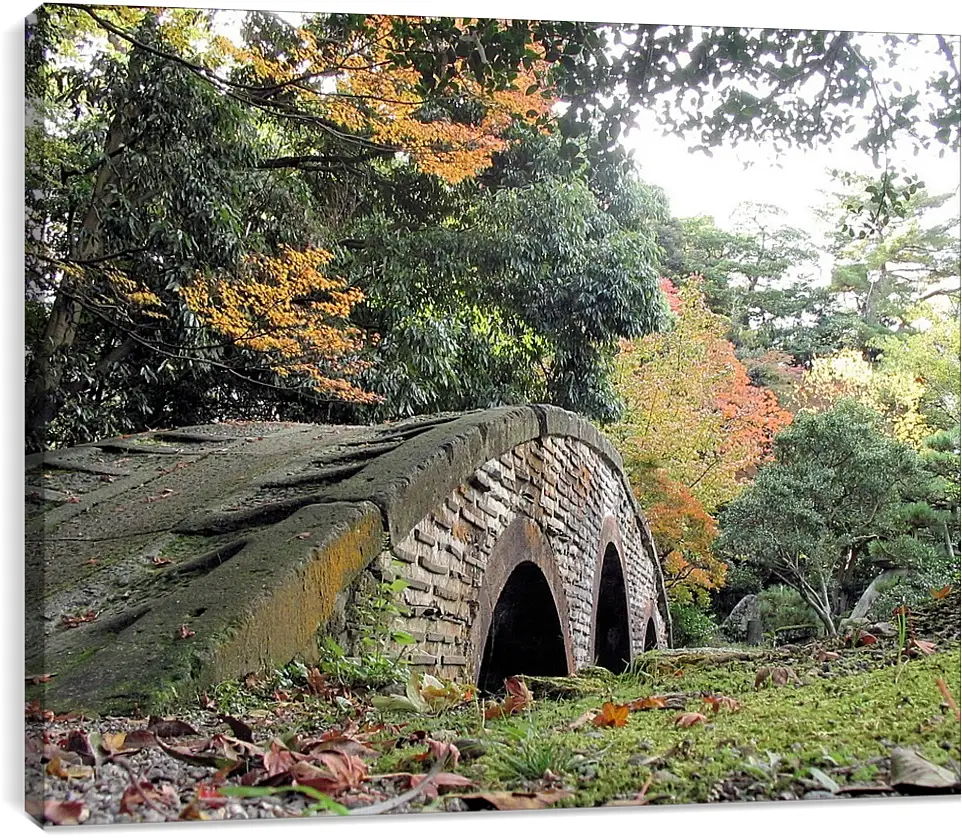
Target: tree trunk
43	396
872	592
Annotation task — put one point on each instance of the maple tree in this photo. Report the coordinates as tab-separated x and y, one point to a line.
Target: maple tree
343	75
284	308
694	431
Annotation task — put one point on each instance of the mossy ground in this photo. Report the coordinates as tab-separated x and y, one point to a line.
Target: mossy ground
843	718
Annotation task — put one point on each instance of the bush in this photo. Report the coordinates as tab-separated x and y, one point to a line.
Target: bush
692	625
783	606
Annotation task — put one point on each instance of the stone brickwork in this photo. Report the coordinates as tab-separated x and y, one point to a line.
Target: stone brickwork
160	563
568	489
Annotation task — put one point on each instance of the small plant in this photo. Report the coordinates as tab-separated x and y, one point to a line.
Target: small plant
529	757
377	663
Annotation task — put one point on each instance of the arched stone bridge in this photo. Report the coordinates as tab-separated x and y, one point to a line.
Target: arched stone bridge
162	562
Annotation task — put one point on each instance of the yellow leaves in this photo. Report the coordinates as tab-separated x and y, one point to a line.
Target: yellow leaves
285	308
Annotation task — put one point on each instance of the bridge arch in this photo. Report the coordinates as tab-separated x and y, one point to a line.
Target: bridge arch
522	619
283	520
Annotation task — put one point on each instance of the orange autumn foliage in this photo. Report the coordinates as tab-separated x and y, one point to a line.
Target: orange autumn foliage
287	310
354	85
693	433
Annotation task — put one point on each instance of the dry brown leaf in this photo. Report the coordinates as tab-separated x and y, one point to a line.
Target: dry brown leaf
183	632
611	715
823	655
169	728
74	620
941	593
58	767
583	719
143	792
65	812
651	702
514	800
721	702
925	647
690	719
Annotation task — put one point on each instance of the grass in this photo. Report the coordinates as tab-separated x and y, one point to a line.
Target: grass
843	721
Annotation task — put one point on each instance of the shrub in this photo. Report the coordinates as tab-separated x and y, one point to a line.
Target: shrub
692	625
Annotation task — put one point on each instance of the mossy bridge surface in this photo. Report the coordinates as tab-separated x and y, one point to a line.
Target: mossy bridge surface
163	562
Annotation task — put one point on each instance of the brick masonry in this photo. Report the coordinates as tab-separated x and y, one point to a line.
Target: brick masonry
569	489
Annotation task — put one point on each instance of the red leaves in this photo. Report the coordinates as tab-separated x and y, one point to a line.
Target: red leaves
74	620
611	715
690	719
65	812
183	632
518	698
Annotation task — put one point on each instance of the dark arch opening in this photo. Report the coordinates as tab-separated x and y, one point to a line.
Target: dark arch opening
651	638
525	635
612	641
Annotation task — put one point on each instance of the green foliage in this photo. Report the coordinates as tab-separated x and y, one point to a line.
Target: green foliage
781	605
836	503
529	755
692	625
378	645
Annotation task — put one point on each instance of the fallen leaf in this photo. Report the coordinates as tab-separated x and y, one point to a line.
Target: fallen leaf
611	715
143	792
651	702
78	742
192	812
823	655
161	561
514	800
57	767
925	647
240	729
517	700
866	639
35	713
74	620
721	702
169	728
317	681
690	719
941	593
778	675
583	719
73	499
184	632
910	774
39	679
65	812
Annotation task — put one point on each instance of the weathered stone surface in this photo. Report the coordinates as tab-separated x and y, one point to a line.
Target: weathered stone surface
748	610
206	552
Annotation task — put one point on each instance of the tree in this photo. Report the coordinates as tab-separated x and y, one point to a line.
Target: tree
893	263
716	82
516	291
693	432
894	393
156	162
840	500
689	405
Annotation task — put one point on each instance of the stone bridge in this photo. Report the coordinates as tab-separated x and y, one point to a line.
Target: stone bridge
163	562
